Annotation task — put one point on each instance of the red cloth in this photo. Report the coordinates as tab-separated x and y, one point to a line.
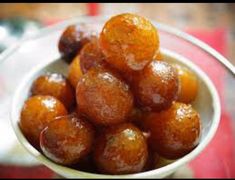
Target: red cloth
25	172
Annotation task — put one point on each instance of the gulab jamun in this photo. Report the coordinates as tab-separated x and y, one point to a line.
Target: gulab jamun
188	85
67	139
91	55
54	84
121	149
104	97
74	38
156	86
129	42
74	71
36	113
173	132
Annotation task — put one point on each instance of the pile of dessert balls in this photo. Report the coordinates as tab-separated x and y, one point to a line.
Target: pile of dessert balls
121	107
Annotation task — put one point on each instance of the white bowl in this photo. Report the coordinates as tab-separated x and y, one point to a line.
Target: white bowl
207	104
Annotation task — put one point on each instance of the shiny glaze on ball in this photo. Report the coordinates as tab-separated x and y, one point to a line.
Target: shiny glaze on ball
129	42
35	115
54	84
156	86
67	139
74	71
121	149
173	132
74	38
91	56
188	85
104	97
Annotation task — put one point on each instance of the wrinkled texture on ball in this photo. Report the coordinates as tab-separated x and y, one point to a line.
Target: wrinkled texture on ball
188	85
91	56
104	97
74	38
129	42
36	113
121	149
74	71
175	131
54	84
156	86
67	139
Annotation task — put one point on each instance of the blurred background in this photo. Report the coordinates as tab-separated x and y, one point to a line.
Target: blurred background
186	16
212	23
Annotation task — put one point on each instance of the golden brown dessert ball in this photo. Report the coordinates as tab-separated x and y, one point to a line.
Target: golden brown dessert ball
156	86
129	42
188	85
104	97
54	84
67	139
91	55
175	131
36	113
74	38
121	149
74	71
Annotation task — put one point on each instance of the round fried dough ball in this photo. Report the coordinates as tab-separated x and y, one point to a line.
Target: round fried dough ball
129	42
121	149
188	85
54	84
74	71
90	56
35	115
74	38
175	131
67	139
103	97
156	86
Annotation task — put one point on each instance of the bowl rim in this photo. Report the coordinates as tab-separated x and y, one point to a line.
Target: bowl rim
160	171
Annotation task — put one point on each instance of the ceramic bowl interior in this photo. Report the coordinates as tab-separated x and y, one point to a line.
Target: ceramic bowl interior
206	103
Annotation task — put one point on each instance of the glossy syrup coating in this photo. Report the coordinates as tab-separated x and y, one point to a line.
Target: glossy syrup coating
129	42
36	113
54	84
188	85
74	71
121	149
74	38
175	131
91	55
156	86
104	97
67	139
